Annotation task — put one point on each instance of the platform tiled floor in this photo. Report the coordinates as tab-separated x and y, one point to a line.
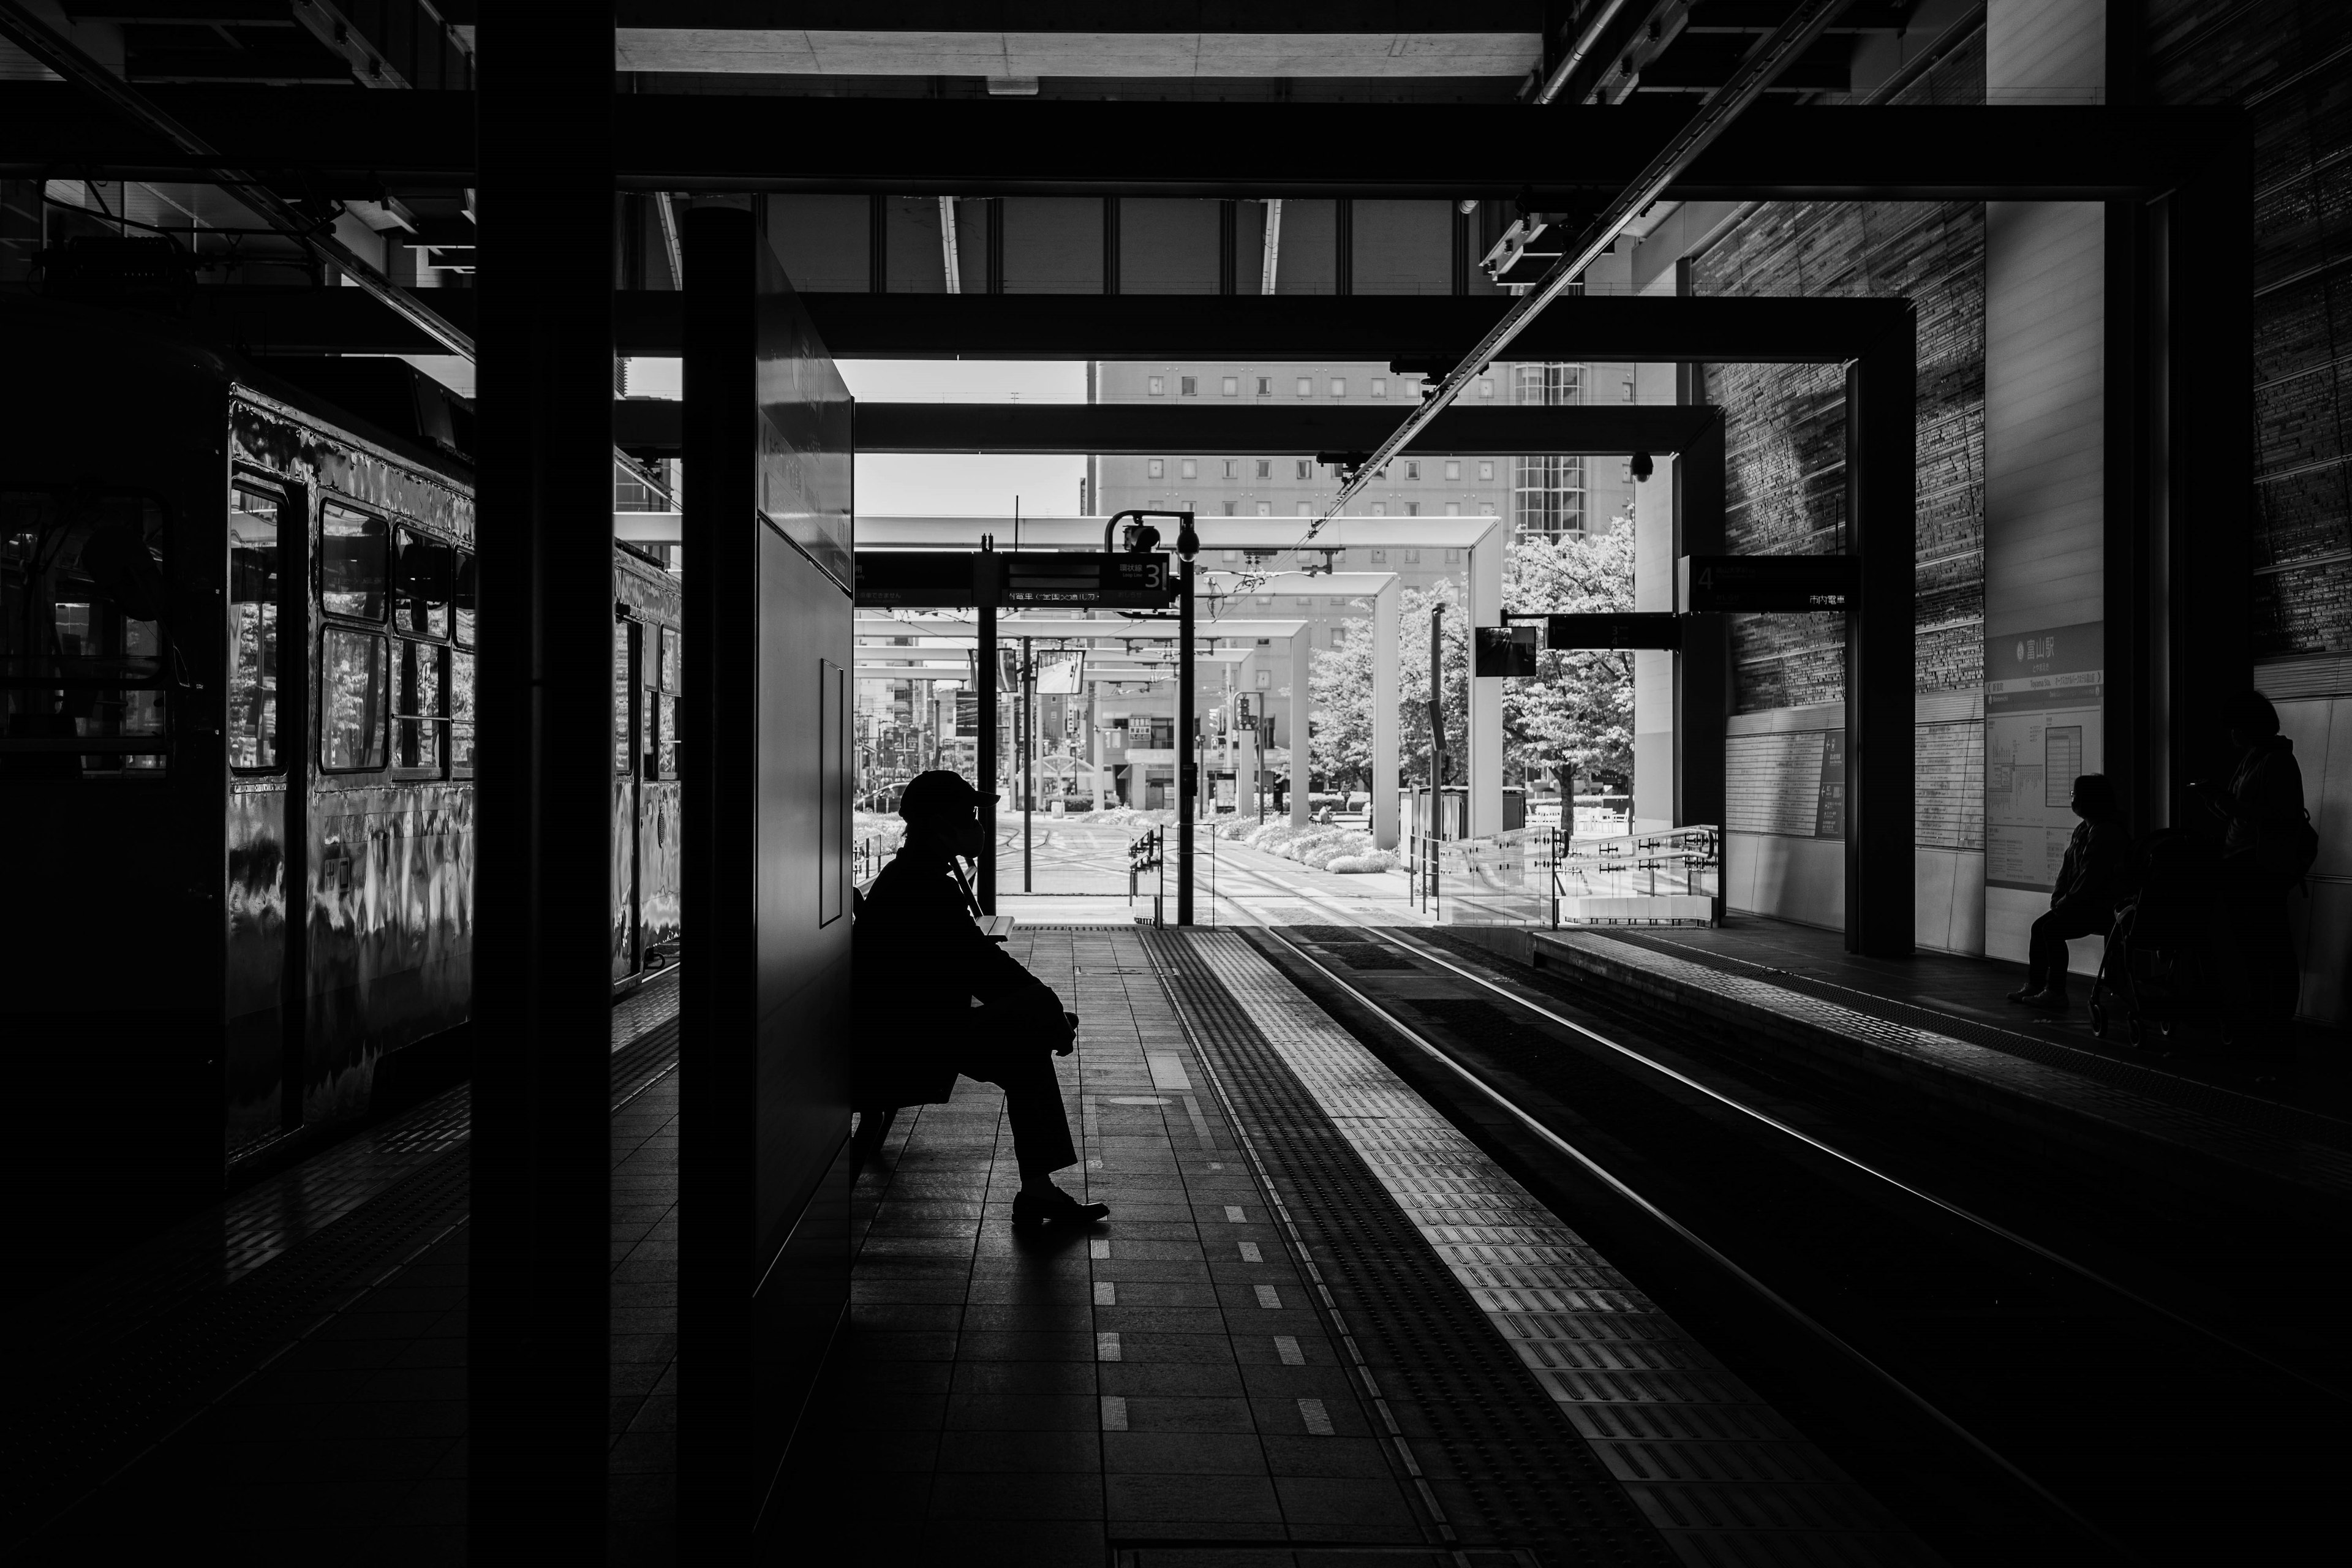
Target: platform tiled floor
1166	1379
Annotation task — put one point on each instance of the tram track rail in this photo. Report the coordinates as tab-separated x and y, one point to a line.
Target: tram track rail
1614	1155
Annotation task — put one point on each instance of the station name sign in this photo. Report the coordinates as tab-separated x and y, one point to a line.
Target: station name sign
1765	583
959	579
1622	629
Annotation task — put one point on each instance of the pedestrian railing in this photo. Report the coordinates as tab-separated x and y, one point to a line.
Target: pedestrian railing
1147	854
1536	876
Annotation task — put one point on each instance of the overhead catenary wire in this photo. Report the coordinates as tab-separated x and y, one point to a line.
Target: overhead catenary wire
1714	114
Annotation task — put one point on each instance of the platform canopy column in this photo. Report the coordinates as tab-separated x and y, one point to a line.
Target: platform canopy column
1302	760
1485	581
538	1316
1388	822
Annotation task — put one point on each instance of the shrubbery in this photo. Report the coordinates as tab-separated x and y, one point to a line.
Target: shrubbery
1342	849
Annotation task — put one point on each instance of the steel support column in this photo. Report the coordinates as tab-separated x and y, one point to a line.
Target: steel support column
2209	419
1702	666
2131	760
1388	815
539	1317
1881	481
1186	749
1484	741
984	670
1302	707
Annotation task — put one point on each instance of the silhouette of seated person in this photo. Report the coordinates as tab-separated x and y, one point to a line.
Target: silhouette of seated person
919	964
2095	877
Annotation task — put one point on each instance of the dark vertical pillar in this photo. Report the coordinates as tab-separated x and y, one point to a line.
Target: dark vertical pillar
1110	245
984	613
1229	223
1881	713
2208	309
1343	246
878	245
995	210
1460	249
2125	543
1703	663
1186	785
719	446
538	1326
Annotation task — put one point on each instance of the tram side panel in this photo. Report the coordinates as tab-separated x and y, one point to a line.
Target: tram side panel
382	751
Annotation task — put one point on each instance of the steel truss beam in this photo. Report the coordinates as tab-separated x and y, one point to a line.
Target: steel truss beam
1111	429
334	140
1377	329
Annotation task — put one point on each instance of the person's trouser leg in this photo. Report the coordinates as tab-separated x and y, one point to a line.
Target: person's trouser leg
2045	957
2046	947
2268	971
1024	1070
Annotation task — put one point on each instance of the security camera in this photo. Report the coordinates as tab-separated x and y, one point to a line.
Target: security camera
1642	467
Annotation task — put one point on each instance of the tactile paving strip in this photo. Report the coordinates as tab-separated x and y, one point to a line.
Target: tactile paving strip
1712	1467
2067	1087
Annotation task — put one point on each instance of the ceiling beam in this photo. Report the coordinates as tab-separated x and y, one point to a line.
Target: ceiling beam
1249	329
333	140
646	426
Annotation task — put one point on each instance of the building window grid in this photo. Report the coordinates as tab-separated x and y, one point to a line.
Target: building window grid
1548	493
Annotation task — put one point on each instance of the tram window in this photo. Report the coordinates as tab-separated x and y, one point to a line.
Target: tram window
350	699
623	683
461	715
666	751
646	699
351	563
672	661
252	559
82	636
419	710
464	599
421	586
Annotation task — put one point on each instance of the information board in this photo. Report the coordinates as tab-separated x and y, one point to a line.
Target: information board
1767	583
915	579
2042	729
1106	582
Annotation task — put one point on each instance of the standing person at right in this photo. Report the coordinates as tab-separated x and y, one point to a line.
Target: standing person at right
2267	846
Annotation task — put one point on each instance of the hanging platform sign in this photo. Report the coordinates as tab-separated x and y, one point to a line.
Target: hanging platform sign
1093	580
1628	629
1765	583
919	579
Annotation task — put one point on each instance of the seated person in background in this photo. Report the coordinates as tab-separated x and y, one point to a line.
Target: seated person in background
2095	876
917	961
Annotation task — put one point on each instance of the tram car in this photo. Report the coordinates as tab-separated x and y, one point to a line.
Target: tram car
238	671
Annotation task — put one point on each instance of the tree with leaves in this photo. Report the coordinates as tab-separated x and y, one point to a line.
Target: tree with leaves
1578	710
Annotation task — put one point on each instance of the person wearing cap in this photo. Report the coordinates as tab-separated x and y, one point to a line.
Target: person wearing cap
919	961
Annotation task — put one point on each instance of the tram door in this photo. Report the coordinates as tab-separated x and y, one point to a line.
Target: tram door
629	714
261	1035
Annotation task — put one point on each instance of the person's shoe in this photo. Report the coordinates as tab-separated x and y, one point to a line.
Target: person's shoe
2023	993
2047	1001
1061	1208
